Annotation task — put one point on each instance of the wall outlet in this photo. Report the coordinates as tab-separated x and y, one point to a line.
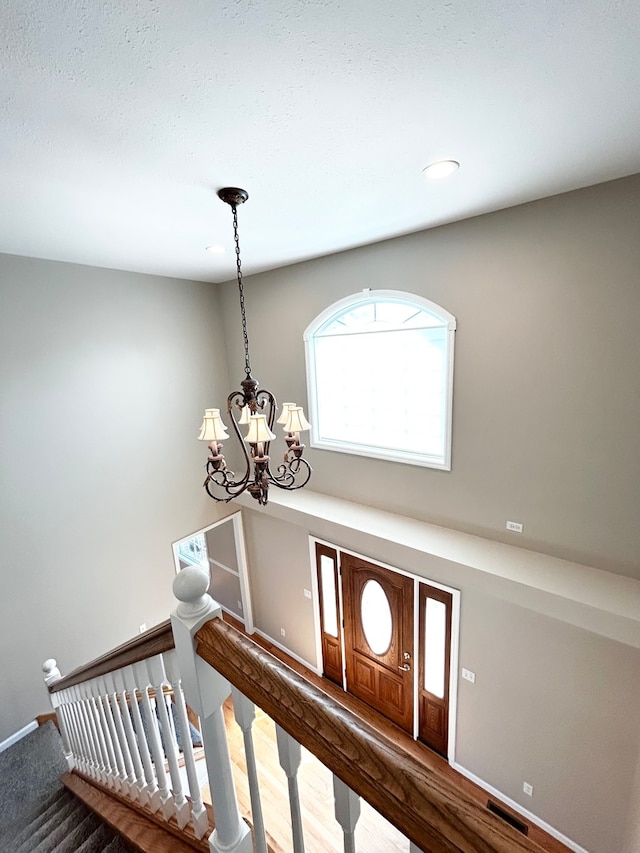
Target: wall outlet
515	526
283	633
528	789
143	627
307	593
468	675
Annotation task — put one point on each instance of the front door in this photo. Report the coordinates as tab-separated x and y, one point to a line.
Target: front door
378	636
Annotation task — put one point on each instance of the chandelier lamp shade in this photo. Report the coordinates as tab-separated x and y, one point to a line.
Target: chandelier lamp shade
252	408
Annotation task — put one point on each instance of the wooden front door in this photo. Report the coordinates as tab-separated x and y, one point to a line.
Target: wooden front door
378	635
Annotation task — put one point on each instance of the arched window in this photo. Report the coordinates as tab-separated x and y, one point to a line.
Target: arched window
380	377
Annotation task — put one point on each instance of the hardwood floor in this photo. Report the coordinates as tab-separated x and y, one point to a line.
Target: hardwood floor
321	831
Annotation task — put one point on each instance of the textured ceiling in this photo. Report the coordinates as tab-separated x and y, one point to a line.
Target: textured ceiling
120	119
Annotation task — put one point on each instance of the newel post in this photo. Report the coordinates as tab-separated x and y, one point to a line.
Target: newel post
205	691
51	674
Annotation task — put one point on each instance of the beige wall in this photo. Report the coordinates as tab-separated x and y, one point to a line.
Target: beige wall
546	395
546	425
546	419
104	377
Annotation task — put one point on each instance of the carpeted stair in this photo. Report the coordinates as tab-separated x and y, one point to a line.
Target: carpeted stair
37	815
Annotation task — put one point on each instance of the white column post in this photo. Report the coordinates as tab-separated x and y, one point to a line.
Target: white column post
51	674
347	811
245	713
289	755
206	691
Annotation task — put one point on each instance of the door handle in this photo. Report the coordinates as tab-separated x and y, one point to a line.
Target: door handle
405	667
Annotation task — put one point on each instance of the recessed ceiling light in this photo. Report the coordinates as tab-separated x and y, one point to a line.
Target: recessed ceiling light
441	169
216	250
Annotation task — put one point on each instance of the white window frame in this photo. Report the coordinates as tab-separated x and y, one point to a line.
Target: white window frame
395	455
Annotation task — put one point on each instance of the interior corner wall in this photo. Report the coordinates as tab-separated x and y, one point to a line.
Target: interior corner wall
546	400
104	377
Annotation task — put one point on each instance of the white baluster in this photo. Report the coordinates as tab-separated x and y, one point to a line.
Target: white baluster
113	744
199	816
65	711
104	736
245	713
347	811
81	741
158	680
93	765
413	848
206	690
151	786
138	784
123	753
51	675
168	701
153	737
289	755
98	738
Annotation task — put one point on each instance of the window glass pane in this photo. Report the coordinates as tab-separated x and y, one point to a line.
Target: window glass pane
375	614
380	315
388	413
434	646
194	551
329	603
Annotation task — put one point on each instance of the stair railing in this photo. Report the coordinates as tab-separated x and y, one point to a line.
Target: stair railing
121	730
124	725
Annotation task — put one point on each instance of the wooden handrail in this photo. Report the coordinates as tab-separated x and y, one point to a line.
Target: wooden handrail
155	641
428	809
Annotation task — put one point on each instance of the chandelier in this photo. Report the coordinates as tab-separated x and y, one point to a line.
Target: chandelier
256	409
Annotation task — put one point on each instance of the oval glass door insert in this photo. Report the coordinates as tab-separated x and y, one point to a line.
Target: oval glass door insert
375	614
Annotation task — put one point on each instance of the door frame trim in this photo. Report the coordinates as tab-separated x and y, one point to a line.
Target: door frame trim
241	555
417	579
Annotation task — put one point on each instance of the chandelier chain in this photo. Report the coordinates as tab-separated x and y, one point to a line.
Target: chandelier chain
245	335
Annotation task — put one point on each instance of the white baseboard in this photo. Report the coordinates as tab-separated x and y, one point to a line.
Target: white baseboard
517	807
16	736
289	652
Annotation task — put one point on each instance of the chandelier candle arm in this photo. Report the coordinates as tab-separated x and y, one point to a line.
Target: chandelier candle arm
295	424
257	409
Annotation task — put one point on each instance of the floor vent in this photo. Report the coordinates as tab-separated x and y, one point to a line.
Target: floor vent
508	817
